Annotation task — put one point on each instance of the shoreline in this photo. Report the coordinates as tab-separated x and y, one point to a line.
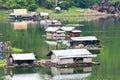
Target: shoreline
67	14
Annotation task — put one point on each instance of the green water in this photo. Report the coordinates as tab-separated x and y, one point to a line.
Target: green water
31	38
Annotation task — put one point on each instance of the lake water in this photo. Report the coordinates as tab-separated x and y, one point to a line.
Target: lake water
29	36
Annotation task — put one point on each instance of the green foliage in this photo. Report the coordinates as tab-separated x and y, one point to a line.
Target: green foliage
84	3
2	63
17	50
15	6
50	4
65	5
32	7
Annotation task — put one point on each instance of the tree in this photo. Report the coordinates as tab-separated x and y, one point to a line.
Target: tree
32	7
50	4
65	5
84	3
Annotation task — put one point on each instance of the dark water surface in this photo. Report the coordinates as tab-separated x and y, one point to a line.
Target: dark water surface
29	36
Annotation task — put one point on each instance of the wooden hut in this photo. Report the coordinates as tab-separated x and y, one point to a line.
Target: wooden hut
71	56
55	33
71	31
53	23
23	58
67	29
20	14
44	15
88	42
75	33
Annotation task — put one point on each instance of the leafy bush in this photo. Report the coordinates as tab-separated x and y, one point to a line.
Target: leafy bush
2	63
17	50
15	6
32	7
50	4
65	5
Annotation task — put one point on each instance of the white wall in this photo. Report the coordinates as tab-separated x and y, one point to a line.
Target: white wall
65	61
54	59
87	60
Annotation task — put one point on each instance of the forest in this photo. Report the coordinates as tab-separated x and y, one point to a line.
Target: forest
49	4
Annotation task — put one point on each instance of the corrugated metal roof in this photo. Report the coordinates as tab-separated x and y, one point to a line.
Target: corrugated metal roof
52	29
60	31
72	53
55	42
84	38
80	56
67	28
23	56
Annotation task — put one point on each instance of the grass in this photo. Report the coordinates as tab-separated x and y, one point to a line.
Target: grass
72	11
3	15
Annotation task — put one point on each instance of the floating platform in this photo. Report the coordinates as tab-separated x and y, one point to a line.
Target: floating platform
47	63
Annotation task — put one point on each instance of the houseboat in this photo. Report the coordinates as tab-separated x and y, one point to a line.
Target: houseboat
87	42
71	31
51	23
55	33
21	14
44	15
71	57
74	33
20	60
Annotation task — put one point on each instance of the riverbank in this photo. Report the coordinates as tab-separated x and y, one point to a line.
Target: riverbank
71	13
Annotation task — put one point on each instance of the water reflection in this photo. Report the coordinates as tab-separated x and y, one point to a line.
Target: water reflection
18	25
70	73
107	30
32	76
24	74
56	44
